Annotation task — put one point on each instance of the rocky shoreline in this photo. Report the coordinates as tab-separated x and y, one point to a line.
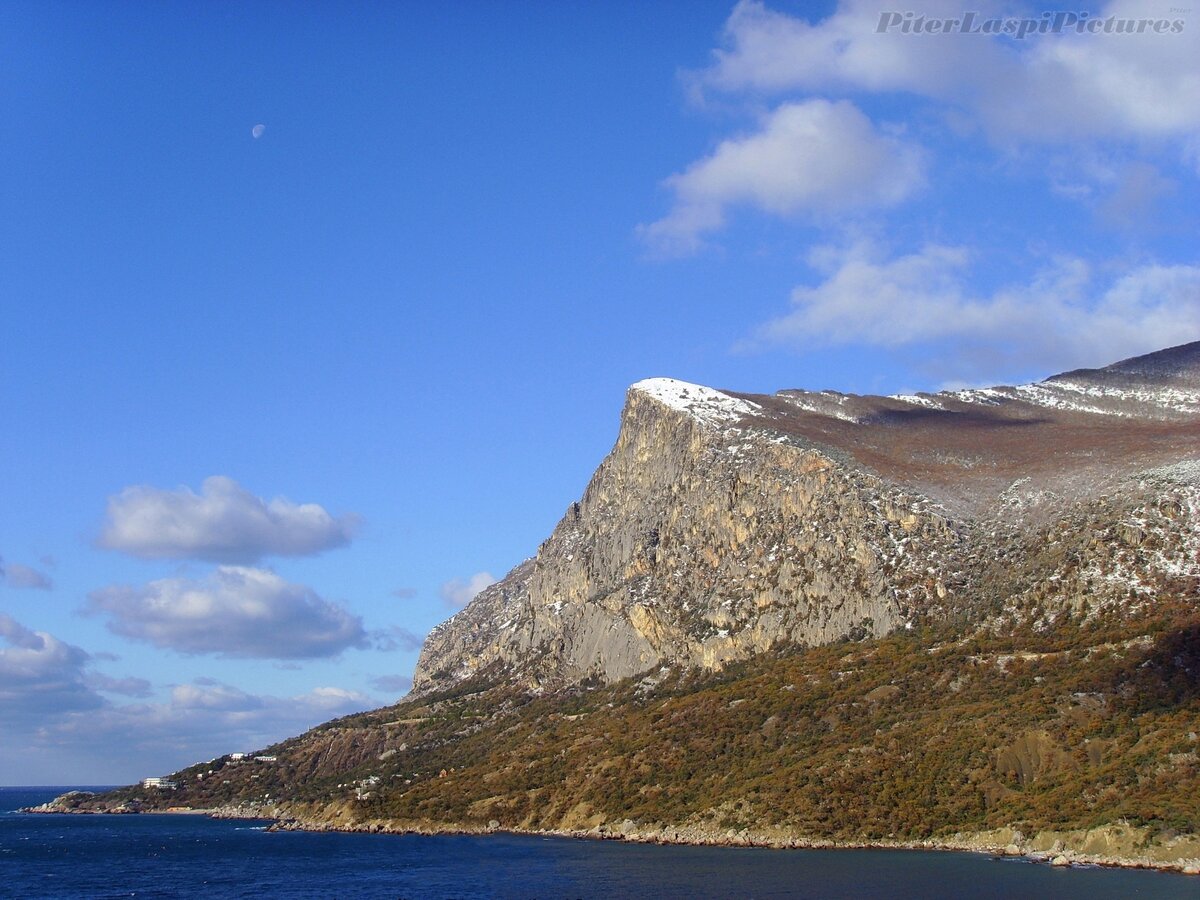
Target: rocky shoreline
1062	849
1051	848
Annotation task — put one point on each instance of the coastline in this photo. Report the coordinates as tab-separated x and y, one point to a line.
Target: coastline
1049	848
1077	848
1111	846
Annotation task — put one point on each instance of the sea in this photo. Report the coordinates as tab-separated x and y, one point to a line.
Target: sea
171	856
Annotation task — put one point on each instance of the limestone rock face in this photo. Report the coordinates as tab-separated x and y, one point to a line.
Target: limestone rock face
723	525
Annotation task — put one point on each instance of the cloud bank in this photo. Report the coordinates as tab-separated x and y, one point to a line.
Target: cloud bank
235	612
1056	88
38	672
823	157
55	717
1083	119
1068	312
223	523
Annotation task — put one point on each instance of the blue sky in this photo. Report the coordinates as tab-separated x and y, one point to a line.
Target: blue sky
275	405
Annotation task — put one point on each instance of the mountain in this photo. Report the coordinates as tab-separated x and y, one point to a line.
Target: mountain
965	619
724	524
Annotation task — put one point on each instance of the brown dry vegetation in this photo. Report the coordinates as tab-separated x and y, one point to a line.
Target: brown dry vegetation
967	454
911	736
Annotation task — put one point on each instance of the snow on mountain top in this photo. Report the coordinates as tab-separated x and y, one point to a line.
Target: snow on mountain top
1161	385
701	403
1144	400
1077	394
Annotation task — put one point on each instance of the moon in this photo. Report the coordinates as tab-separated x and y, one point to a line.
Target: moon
257	131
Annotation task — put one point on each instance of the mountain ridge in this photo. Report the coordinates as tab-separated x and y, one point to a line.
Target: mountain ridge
905	483
966	620
1178	363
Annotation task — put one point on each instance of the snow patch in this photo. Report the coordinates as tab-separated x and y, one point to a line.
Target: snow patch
1085	397
986	396
917	400
1172	399
1045	395
1107	399
701	403
823	404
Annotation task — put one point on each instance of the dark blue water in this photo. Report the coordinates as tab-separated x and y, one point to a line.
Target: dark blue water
193	856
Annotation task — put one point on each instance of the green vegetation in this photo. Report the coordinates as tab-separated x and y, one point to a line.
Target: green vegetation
916	735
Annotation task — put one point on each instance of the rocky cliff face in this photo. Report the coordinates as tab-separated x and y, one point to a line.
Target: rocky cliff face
722	525
1053	528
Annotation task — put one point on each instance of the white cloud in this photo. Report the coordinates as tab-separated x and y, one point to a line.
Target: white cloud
1044	88
234	612
457	593
812	158
39	672
19	576
223	523
1133	86
817	156
1065	316
772	51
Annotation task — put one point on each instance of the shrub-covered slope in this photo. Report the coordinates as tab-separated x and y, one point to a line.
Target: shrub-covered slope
912	736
